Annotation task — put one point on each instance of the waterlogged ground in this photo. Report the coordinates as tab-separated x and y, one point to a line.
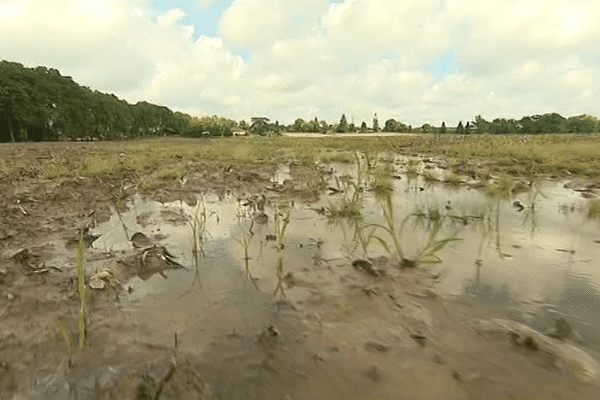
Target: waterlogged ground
288	283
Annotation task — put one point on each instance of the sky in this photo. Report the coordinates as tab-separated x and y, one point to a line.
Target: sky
417	61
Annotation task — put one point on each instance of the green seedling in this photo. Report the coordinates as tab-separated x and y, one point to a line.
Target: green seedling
534	193
453	180
428	176
82	322
594	209
65	335
502	188
197	225
427	253
245	240
389	225
118	211
351	204
281	220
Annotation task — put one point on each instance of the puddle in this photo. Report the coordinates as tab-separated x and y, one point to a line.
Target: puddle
539	263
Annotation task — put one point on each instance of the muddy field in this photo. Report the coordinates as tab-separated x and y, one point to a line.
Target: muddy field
278	280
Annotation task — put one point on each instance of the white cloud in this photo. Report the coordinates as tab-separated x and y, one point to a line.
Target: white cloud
11	9
310	57
416	30
172	17
256	24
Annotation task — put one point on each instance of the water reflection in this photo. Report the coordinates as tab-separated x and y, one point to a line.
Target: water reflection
486	292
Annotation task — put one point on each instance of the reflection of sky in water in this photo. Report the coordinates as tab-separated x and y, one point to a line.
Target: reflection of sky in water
547	261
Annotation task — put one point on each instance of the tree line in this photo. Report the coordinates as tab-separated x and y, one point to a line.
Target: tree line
533	124
40	104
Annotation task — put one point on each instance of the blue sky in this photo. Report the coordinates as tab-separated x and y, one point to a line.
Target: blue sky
418	61
203	18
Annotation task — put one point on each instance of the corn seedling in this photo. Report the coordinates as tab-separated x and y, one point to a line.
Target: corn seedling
118	211
389	225
453	180
245	240
534	193
197	225
427	253
350	206
501	189
65	335
82	322
281	220
428	176
594	209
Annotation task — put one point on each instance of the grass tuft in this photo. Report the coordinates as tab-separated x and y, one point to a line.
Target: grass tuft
594	209
453	180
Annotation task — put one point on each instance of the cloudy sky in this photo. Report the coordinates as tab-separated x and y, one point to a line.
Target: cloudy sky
416	61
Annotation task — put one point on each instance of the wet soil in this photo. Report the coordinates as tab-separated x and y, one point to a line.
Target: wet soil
340	332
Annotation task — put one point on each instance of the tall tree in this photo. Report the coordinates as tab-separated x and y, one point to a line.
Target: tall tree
343	126
467	128
324	126
482	125
299	125
391	125
259	125
375	123
460	130
443	127
582	124
244	125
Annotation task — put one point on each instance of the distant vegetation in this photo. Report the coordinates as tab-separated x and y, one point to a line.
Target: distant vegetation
39	104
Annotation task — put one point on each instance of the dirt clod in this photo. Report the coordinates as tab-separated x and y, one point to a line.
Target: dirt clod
374	373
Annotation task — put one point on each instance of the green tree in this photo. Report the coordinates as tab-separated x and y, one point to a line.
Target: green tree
363	127
299	125
343	125
375	123
502	126
582	124
482	125
443	127
391	125
426	128
244	125
259	125
460	130
314	126
467	128
324	126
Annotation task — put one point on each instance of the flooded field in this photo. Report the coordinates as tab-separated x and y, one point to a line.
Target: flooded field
532	254
361	276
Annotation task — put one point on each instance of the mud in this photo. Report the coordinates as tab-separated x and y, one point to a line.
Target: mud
345	325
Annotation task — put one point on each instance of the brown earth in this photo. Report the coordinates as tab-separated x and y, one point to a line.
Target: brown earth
341	333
